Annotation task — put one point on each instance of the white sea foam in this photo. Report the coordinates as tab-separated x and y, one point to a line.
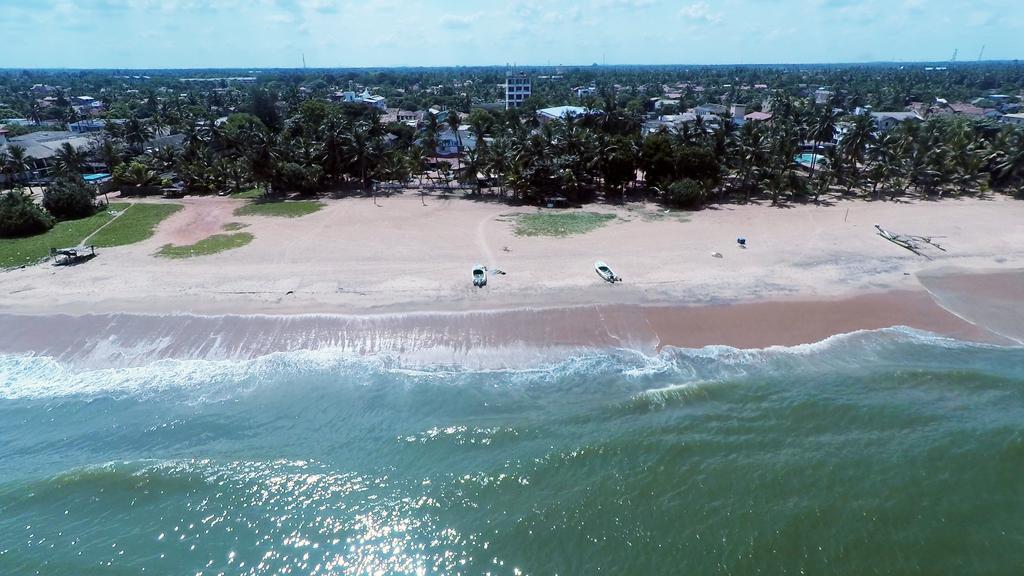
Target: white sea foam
40	377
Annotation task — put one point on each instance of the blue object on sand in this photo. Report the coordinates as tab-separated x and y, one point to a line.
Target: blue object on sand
742	242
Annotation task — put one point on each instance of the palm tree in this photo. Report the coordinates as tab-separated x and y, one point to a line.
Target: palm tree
362	148
263	157
855	144
138	175
751	154
17	162
68	159
454	123
110	153
1008	165
137	132
823	130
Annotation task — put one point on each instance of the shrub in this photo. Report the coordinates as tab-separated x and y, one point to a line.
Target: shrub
68	197
20	216
685	193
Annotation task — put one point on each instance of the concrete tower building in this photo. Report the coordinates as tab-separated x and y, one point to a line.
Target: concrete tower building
517	89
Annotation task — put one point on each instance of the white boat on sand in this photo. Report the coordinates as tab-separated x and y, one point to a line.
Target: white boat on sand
479	276
605	272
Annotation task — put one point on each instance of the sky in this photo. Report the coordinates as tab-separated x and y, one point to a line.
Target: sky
370	33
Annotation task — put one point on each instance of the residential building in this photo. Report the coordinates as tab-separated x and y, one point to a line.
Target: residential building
710	109
885	121
90	125
585	91
364	97
822	95
378	102
738	113
660	103
517	89
42	147
1017	119
564	113
448	142
758	117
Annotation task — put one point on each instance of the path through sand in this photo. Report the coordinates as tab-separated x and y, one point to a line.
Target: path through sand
200	218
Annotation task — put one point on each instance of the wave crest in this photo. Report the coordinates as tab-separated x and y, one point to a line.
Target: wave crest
30	377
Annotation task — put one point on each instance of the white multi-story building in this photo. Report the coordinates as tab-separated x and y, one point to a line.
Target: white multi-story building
517	89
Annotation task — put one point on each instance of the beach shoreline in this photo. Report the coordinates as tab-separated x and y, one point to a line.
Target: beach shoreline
392	277
511	337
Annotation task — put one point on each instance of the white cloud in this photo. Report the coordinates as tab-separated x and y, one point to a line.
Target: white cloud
700	12
459	20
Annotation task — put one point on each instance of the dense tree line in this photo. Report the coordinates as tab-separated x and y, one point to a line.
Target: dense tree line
283	135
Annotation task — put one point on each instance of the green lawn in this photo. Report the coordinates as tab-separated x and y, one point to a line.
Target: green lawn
211	245
249	194
135	225
234	226
280	209
560	223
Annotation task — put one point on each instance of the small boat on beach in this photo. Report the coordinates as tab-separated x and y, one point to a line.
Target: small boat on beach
479	276
605	272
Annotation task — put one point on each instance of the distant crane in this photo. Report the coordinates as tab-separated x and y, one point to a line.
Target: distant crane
982	53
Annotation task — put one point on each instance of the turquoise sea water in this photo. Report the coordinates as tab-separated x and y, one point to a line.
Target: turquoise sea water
886	452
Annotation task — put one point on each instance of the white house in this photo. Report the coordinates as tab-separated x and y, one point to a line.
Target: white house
448	142
585	91
546	115
885	121
710	109
663	102
1017	119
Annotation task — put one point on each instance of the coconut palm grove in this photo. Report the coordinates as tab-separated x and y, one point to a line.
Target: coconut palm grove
684	136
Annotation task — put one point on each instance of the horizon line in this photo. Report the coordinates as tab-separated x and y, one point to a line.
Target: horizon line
531	66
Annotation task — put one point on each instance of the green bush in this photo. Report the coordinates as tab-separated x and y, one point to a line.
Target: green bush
20	216
68	197
685	193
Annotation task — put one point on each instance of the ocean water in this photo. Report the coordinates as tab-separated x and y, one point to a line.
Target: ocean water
886	452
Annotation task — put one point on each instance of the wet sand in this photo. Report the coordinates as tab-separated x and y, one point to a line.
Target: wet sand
491	339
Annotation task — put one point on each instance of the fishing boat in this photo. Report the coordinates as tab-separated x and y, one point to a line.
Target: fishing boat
479	276
605	272
913	243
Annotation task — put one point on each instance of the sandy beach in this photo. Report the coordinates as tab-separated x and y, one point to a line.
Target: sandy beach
395	265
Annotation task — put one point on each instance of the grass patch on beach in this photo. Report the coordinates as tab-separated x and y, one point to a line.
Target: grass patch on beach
292	209
560	224
206	246
138	223
23	251
234	226
249	194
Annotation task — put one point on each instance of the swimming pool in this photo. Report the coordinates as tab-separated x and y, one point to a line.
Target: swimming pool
808	160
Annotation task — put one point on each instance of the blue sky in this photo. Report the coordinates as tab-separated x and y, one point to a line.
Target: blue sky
344	33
